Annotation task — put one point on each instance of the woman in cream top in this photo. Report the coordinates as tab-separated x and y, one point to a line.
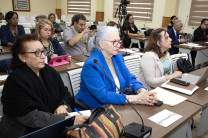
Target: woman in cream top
156	62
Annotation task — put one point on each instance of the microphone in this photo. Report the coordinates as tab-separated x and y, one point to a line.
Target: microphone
131	130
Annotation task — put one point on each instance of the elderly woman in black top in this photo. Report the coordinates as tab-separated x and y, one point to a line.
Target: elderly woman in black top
34	95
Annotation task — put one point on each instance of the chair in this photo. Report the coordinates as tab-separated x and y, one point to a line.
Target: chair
27	31
175	57
1	106
133	63
135	41
75	78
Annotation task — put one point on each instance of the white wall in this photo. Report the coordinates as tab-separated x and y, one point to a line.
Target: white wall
170	8
183	14
36	7
158	12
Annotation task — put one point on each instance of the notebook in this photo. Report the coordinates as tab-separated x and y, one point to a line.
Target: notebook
193	79
51	131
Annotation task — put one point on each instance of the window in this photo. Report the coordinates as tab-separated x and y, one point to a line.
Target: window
198	12
79	7
141	9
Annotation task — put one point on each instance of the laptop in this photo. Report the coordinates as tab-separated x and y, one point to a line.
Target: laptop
52	131
193	79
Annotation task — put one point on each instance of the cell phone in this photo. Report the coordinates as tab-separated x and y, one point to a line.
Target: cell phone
158	103
177	81
93	27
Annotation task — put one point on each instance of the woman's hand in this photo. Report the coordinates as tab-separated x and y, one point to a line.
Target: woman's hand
145	97
68	59
177	74
54	55
61	110
79	119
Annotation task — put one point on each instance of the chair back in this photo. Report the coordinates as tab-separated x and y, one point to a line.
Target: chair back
133	63
174	58
135	41
75	79
27	31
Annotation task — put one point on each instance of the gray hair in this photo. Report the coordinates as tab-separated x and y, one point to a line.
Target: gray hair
41	16
103	34
177	22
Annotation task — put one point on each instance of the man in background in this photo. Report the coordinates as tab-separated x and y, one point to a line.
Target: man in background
77	35
174	35
201	33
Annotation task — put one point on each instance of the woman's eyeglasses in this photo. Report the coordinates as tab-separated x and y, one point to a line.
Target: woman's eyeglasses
38	53
115	43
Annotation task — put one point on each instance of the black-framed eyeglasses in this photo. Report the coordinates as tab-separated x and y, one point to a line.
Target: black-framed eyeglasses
115	43
38	53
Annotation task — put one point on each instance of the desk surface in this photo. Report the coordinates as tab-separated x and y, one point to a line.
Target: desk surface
81	58
5	50
200	96
142	38
186	109
193	49
68	67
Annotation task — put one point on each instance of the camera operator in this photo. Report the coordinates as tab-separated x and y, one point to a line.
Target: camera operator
77	35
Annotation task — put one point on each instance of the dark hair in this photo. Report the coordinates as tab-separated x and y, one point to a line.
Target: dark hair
152	44
49	16
172	17
19	48
203	21
126	22
77	17
9	15
112	23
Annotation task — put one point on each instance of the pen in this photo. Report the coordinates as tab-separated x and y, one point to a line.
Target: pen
78	111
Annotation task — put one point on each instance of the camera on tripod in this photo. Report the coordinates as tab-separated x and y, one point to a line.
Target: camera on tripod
125	2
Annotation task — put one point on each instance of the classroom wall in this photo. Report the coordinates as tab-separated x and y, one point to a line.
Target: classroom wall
183	14
100	5
159	7
170	8
36	7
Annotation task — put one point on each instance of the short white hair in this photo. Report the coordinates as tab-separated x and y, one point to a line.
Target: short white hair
177	22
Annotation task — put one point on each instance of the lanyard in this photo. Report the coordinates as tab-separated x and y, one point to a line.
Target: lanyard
84	42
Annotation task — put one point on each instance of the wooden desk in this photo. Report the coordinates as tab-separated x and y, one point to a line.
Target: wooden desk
81	58
186	109
144	39
67	67
5	52
2	81
201	52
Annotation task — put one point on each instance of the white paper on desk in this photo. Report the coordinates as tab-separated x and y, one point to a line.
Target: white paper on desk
84	112
191	44
206	89
80	63
3	77
168	97
165	118
127	50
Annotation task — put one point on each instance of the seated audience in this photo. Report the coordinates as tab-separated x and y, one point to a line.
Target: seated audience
11	31
96	89
201	33
112	23
77	35
34	95
1	16
172	20
130	30
156	62
56	26
174	35
44	31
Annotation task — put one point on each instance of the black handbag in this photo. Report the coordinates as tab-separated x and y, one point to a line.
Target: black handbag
184	65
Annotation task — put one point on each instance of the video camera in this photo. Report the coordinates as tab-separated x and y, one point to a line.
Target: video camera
125	2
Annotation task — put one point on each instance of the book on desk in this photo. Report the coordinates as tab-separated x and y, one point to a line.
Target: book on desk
189	90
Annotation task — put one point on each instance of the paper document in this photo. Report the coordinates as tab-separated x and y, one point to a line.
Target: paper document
3	77
165	118
127	50
80	63
191	44
206	89
168	97
84	112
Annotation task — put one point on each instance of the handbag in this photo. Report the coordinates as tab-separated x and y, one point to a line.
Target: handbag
184	65
104	122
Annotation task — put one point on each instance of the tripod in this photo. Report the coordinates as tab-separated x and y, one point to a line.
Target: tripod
121	10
